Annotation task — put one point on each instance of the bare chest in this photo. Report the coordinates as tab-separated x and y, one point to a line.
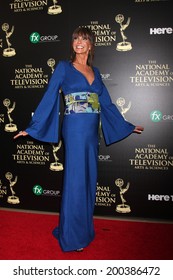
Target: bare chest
87	72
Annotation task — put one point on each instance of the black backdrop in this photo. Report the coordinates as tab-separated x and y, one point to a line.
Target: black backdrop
134	55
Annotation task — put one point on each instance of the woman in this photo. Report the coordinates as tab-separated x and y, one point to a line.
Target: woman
87	101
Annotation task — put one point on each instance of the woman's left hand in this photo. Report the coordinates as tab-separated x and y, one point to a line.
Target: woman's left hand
138	129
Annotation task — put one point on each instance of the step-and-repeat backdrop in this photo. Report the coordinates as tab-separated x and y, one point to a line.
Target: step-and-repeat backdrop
133	51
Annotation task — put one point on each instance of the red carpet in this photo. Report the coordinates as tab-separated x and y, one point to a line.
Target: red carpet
27	236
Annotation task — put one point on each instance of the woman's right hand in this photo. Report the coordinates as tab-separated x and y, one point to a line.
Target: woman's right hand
21	133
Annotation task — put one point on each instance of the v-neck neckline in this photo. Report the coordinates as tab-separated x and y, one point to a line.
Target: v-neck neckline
90	84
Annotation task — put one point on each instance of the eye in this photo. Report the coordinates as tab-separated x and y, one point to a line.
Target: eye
85	38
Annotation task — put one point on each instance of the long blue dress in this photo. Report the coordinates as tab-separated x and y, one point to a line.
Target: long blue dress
80	135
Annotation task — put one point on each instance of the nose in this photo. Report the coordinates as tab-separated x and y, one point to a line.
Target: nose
79	39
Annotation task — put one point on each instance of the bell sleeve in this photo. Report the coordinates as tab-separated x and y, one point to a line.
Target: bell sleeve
113	124
44	125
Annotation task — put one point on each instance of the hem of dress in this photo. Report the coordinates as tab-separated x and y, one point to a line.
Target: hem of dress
55	233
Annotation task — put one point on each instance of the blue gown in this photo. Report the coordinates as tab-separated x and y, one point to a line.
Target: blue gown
80	137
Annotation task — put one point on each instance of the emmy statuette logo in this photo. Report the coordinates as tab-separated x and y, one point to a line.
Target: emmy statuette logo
3	189
51	64
123	46
9	51
121	102
10	127
12	199
122	208
56	166
55	9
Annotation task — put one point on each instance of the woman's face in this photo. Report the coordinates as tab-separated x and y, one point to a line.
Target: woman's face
81	44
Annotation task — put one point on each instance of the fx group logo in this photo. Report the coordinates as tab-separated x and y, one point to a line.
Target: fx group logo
156	116
35	38
37	190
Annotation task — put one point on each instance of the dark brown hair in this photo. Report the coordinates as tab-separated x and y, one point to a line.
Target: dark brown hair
86	32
